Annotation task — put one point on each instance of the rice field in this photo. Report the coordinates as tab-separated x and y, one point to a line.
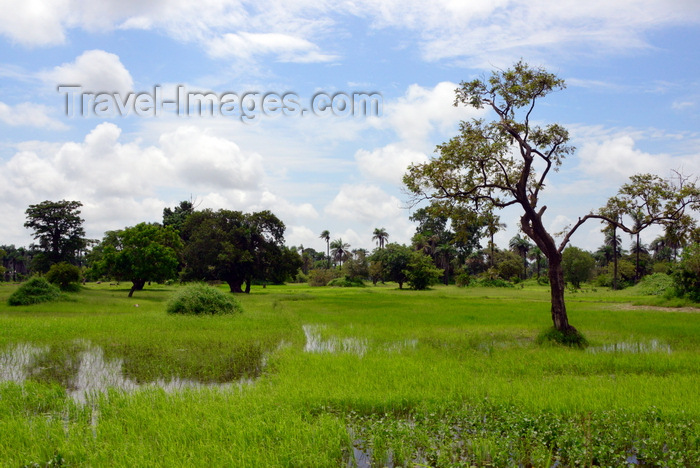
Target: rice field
344	377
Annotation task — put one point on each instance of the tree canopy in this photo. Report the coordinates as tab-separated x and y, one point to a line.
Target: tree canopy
58	228
142	253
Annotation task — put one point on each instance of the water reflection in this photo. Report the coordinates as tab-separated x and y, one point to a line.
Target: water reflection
94	374
653	346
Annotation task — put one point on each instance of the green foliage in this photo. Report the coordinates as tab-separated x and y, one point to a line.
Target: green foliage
421	272
686	276
578	266
508	265
376	271
236	247
463	279
356	269
487	282
656	284
200	299
65	275
34	291
394	259
572	339
145	252
322	276
346	283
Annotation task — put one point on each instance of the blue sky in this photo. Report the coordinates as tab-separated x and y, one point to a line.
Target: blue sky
632	104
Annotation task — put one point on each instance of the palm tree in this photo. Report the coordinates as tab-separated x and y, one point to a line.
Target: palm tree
381	236
613	240
341	250
445	252
327	237
536	255
521	246
493	225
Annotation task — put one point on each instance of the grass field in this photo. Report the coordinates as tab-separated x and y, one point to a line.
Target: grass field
334	377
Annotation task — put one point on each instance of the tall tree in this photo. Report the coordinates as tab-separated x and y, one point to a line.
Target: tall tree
493	224
58	228
505	162
326	235
613	241
380	235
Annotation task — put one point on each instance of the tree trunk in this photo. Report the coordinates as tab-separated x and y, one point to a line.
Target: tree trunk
136	285
235	285
557	288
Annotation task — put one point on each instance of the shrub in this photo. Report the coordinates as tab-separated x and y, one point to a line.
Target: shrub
346	283
572	339
463	279
65	276
654	285
34	291
322	277
421	272
494	283
686	276
200	299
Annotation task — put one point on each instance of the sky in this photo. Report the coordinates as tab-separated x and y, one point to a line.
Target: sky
82	85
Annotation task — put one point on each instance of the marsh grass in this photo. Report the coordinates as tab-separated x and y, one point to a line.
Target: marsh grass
446	377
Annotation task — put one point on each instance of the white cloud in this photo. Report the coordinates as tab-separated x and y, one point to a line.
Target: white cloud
364	203
204	160
615	159
31	115
388	163
287	47
94	71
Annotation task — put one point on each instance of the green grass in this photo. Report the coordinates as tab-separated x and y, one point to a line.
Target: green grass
446	377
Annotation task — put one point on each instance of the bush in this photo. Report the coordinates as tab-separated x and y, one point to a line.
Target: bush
654	285
322	277
346	283
65	276
421	272
34	291
200	299
493	283
572	339
463	279
686	276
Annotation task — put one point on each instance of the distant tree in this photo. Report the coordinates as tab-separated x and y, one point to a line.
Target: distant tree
686	275
177	216
613	241
578	265
326	235
521	246
340	251
493	224
142	253
16	262
231	246
58	228
64	275
2	267
421	272
380	235
536	255
394	259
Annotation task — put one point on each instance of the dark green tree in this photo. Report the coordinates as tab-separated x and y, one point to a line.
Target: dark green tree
394	259
177	216
231	246
58	228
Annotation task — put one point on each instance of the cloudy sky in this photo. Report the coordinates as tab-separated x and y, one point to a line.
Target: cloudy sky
632	104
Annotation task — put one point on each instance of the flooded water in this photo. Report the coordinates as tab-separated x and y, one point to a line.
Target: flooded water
653	346
94	374
315	343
